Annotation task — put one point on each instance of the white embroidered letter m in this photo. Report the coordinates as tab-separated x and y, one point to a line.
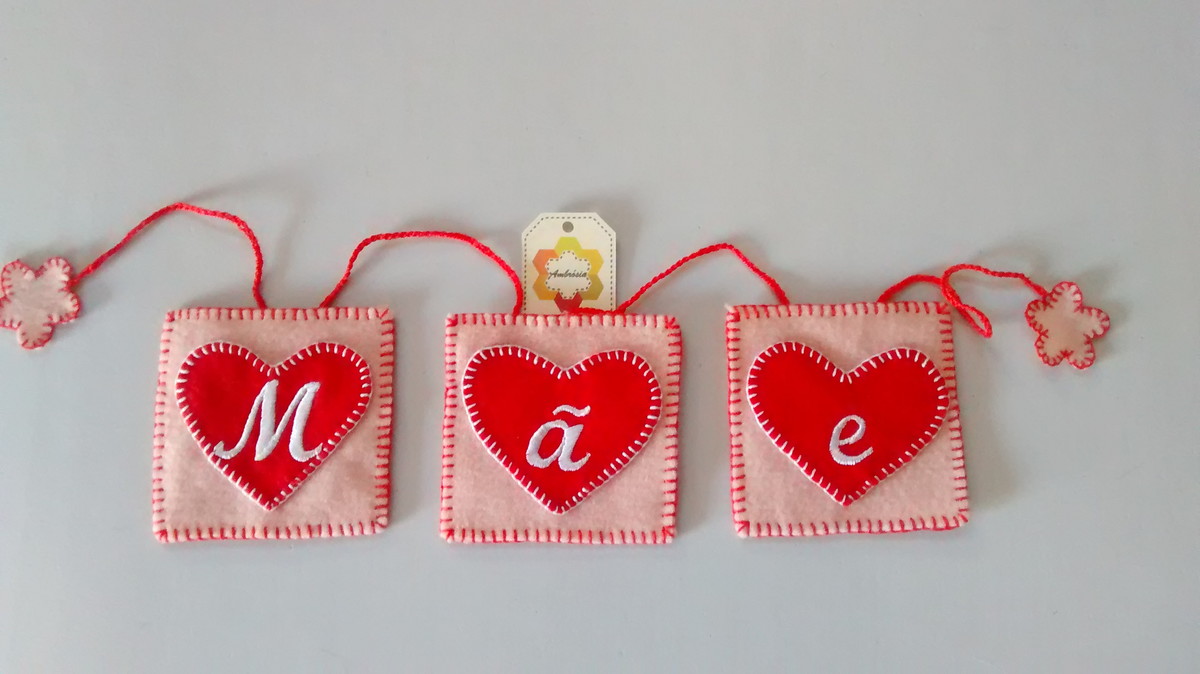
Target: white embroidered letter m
270	430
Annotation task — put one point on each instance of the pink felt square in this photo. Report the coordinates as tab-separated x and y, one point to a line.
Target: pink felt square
345	495
482	502
771	495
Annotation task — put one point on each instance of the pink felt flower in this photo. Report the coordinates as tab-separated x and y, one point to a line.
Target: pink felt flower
33	301
1065	326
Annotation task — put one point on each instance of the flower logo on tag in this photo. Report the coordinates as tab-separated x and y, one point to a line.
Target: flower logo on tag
568	274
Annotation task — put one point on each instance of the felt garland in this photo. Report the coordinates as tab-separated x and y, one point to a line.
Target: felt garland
276	423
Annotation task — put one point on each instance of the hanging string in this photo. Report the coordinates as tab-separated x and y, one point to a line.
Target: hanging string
780	295
157	215
454	236
972	314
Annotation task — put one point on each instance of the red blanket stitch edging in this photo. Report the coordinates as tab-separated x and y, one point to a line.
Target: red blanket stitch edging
744	527
383	437
669	422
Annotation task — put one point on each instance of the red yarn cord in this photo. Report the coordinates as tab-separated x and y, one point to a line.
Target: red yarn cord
1037	289
973	315
899	287
455	236
155	216
766	278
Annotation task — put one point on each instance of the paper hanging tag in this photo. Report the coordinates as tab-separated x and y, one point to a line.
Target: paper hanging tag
568	261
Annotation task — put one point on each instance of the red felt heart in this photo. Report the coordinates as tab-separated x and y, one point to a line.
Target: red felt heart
245	414
561	433
847	430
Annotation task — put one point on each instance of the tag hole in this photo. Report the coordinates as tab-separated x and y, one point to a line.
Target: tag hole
568	227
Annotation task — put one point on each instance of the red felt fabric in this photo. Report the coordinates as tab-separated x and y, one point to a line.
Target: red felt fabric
216	389
510	392
799	397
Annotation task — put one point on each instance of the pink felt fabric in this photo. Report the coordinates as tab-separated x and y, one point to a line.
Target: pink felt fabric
347	495
771	495
1066	326
33	301
482	502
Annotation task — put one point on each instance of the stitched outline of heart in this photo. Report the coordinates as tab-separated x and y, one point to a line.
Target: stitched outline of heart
619	462
267	502
792	452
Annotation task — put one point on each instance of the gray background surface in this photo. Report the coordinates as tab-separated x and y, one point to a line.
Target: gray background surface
845	145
